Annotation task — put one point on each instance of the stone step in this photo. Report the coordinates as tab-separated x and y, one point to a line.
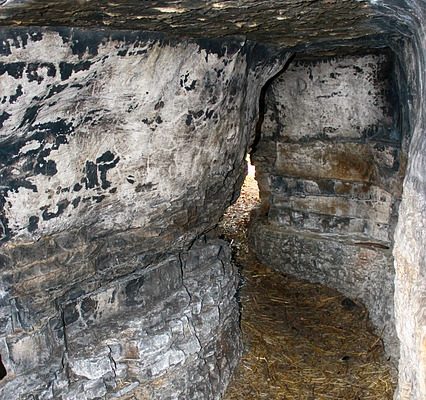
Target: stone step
348	238
308	221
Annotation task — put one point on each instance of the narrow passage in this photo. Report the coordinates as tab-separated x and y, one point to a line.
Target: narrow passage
302	341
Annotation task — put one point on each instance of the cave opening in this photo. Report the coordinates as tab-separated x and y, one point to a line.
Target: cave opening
329	157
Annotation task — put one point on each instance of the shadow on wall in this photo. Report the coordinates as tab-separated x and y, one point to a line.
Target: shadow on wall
3	371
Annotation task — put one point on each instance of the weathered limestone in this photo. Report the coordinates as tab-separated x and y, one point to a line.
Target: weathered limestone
330	166
118	151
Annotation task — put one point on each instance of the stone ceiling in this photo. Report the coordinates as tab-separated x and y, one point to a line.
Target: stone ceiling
280	22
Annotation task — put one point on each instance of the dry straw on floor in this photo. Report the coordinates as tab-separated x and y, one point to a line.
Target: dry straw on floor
302	341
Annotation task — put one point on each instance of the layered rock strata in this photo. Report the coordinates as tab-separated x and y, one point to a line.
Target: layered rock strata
169	331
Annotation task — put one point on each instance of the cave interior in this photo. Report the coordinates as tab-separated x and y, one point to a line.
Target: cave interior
124	131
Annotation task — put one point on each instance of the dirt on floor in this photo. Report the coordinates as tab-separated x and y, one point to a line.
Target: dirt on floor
302	341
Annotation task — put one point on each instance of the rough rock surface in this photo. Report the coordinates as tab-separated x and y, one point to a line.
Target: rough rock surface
169	331
285	23
409	249
330	168
118	150
279	22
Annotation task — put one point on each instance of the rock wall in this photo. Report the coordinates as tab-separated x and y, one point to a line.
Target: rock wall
410	235
330	167
169	331
118	151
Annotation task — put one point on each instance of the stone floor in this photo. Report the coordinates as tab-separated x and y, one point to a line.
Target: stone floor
302	340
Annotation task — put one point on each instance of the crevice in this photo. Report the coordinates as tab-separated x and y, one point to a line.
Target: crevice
181	265
3	371
112	362
64	361
262	103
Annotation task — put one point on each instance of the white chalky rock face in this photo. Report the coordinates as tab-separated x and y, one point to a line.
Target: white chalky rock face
122	132
96	133
118	151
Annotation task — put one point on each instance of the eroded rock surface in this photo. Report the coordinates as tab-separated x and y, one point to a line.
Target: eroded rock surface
167	331
409	250
118	151
279	22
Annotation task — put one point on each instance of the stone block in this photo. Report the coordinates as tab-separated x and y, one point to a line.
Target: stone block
356	162
119	151
342	227
141	329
